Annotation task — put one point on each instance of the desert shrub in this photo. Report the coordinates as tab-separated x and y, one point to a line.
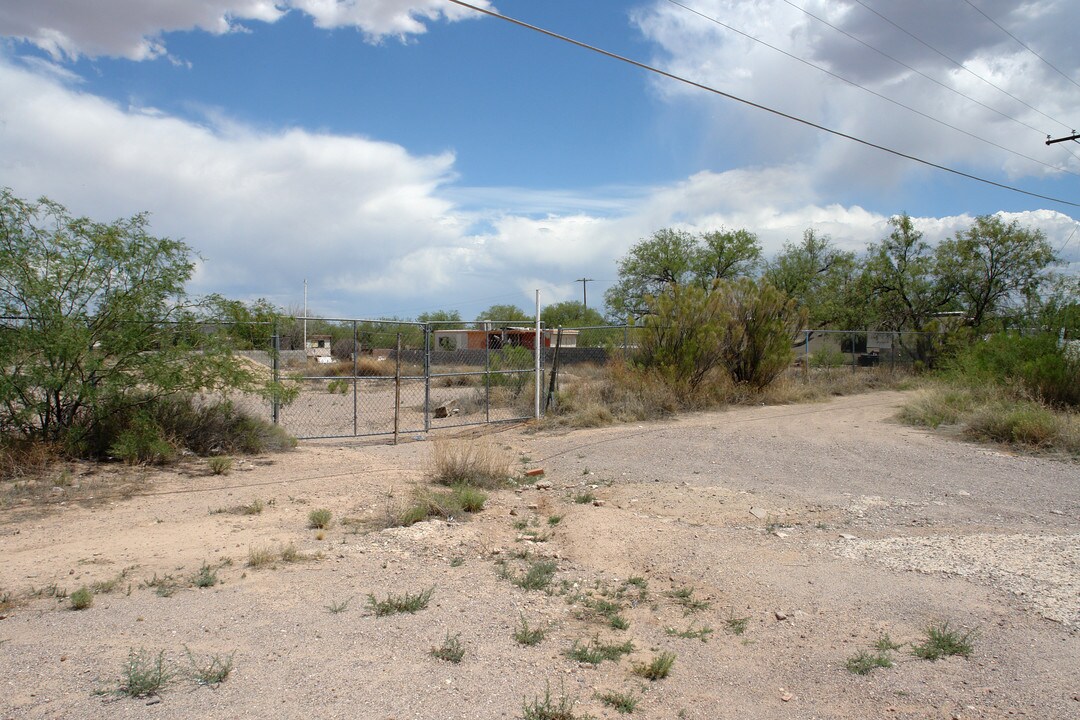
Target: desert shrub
685	336
762	321
506	366
319	519
161	426
828	357
1023	423
81	598
1033	364
142	441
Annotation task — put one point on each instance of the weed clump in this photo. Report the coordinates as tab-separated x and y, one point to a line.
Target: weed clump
623	703
81	598
525	635
394	604
656	669
548	708
212	671
597	652
319	519
144	674
451	650
864	662
943	641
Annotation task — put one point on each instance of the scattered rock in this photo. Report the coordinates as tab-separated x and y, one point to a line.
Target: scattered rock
759	513
543	485
598	503
787	697
513	511
780	535
845	536
780	616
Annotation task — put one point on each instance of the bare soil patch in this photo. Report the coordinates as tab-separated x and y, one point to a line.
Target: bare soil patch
813	529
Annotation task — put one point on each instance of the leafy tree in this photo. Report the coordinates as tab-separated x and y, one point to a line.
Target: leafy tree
676	257
902	280
573	314
570	313
250	325
505	314
994	263
440	316
726	254
106	325
822	279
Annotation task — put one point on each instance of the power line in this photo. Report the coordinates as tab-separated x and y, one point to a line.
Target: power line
1066	241
905	65
866	89
958	63
1022	43
779	113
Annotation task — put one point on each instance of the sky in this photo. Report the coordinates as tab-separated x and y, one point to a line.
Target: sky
405	156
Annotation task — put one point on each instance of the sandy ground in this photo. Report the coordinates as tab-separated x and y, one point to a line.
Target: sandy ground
824	525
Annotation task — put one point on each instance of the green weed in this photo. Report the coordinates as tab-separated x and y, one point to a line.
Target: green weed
656	669
394	604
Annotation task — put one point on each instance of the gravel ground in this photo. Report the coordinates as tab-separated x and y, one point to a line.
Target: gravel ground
816	527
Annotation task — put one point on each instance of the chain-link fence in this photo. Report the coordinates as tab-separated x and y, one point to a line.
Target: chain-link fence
381	377
868	349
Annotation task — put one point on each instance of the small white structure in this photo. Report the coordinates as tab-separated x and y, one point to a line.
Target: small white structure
318	348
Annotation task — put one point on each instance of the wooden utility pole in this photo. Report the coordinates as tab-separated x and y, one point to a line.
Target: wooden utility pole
584	293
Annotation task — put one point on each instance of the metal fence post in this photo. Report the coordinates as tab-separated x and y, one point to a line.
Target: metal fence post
487	376
806	355
275	353
427	377
355	381
397	388
625	340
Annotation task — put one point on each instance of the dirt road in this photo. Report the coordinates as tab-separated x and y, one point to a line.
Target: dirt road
815	529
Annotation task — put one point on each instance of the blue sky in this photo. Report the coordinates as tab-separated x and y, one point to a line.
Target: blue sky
411	155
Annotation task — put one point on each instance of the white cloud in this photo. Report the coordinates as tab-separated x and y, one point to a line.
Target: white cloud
133	28
704	51
370	225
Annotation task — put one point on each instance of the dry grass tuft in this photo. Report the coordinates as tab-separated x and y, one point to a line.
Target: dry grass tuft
469	461
990	413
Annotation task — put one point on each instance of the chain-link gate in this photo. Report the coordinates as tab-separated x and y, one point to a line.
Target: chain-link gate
358	378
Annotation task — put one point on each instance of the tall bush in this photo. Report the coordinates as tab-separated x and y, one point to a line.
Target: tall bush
104	325
761	322
686	335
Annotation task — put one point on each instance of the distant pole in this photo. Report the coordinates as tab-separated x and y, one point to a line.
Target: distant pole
536	361
305	318
584	292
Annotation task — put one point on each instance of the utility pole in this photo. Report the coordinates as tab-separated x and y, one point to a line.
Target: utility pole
1074	136
305	318
584	292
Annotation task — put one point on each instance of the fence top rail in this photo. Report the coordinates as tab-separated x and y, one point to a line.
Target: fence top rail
384	321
